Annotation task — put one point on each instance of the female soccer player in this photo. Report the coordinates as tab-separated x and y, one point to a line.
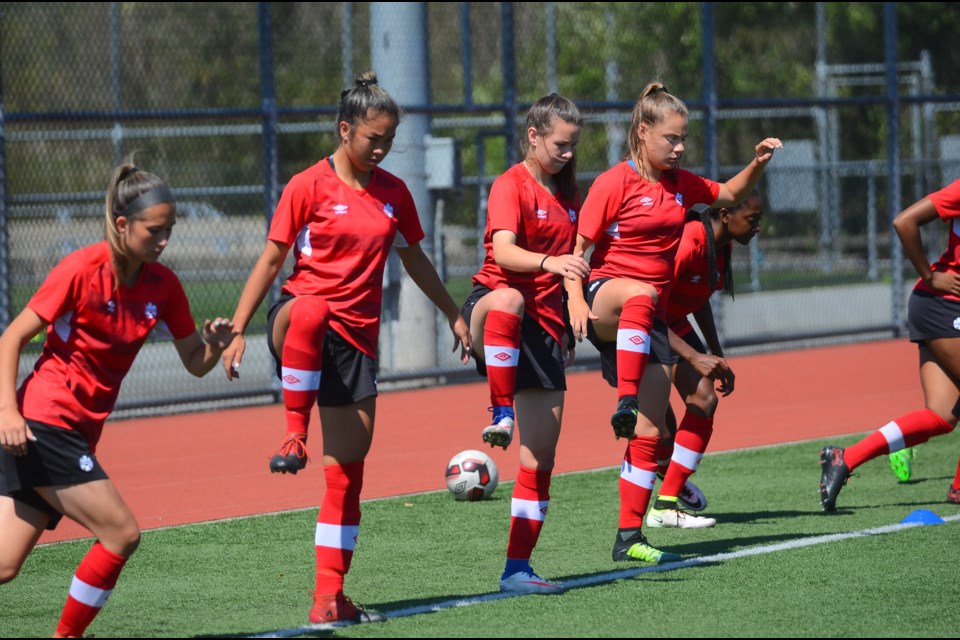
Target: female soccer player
634	213
340	216
516	312
703	266
98	306
932	322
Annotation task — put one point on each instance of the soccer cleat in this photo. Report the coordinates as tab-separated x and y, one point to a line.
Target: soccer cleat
636	547
833	475
338	607
691	497
677	518
953	496
900	463
500	431
527	582
624	420
291	457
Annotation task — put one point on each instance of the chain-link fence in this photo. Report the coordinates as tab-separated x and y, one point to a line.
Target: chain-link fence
227	101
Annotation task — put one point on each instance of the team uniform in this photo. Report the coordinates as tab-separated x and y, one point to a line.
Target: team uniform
636	227
524	353
341	238
95	331
930	315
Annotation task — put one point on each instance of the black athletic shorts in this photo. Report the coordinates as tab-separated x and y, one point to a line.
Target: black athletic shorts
930	316
541	357
59	457
692	339
349	375
660	352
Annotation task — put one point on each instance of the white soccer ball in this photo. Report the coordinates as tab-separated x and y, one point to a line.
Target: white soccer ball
471	475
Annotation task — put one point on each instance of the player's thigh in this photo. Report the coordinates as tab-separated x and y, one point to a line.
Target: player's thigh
609	301
100	508
941	390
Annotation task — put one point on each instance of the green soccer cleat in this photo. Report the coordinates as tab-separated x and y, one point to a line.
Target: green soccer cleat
900	463
636	547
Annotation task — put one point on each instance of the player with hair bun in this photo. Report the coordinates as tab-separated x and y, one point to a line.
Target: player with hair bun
98	306
341	217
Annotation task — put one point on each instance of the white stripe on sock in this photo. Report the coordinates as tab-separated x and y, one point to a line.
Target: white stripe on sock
891	431
336	536
686	457
300	380
640	477
633	340
500	356
529	509
88	594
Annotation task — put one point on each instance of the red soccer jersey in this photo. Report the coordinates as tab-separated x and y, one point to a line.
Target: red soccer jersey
95	332
691	280
637	225
947	202
543	223
341	239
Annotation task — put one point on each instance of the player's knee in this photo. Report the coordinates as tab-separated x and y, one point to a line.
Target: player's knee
507	300
8	571
706	400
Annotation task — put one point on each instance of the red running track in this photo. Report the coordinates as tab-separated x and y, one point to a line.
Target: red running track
208	466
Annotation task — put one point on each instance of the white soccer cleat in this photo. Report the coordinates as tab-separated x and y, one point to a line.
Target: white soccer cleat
677	519
691	498
500	431
527	582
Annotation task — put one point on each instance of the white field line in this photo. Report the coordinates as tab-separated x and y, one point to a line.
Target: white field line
612	576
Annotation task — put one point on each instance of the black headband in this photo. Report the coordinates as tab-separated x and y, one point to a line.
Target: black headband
658	90
157	195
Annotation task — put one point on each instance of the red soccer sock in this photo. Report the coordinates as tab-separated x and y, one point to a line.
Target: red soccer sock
693	436
92	585
302	360
908	430
501	353
633	343
956	478
528	510
338	525
664	453
637	477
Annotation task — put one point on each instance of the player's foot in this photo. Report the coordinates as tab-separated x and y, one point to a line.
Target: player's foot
500	431
677	518
691	498
833	475
634	546
291	457
338	607
900	463
526	582
624	419
953	496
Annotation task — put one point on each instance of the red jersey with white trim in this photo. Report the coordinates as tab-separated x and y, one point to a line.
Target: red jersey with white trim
543	223
637	225
341	238
95	331
691	280
947	203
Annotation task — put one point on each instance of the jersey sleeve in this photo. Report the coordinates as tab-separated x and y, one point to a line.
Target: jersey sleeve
947	201
686	252
177	314
602	205
503	206
291	213
62	291
409	230
700	189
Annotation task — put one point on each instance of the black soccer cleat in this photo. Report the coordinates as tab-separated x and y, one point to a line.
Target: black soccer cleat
291	457
624	420
833	475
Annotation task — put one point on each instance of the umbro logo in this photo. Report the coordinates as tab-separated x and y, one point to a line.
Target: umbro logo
646	201
291	379
502	356
695	279
340	209
636	340
541	214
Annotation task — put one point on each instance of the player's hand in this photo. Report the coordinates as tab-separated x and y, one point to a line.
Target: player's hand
233	356
580	317
14	433
461	338
726	380
766	148
709	366
568	348
218	333
945	282
570	266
